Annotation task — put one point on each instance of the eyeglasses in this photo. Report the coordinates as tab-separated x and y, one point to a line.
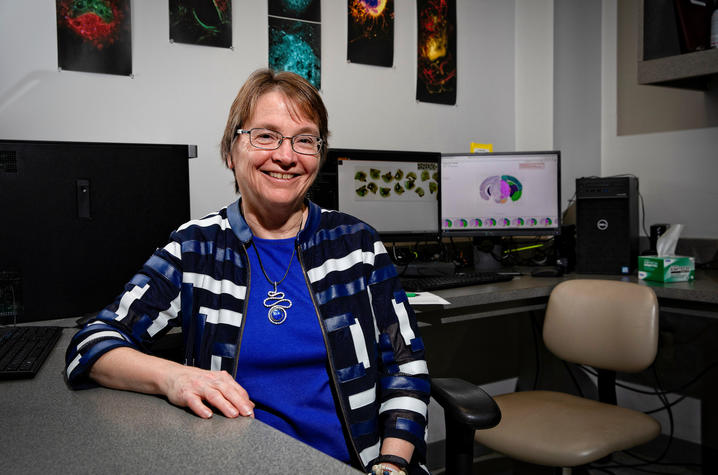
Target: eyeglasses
267	139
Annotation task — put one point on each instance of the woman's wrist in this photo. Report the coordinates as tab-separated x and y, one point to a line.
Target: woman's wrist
386	469
389	465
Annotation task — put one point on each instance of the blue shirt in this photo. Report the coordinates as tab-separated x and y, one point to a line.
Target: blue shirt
284	367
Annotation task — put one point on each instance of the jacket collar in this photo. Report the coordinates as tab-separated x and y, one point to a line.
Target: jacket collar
243	232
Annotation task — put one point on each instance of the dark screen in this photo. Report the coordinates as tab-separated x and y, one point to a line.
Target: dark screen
79	219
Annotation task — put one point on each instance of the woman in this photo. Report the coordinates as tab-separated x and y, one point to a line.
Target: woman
290	313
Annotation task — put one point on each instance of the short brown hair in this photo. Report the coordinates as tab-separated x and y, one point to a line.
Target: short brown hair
297	89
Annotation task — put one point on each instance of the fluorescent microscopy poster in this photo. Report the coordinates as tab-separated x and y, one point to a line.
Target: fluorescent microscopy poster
295	38
307	10
371	32
436	52
94	36
201	22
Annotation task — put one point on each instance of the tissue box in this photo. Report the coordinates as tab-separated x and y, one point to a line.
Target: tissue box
666	268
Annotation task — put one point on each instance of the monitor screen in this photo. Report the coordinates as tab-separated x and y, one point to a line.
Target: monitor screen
500	194
79	219
396	192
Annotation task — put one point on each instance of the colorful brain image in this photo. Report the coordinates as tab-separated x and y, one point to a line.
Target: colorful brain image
501	188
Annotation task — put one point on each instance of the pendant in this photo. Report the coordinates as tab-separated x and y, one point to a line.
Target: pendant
277	305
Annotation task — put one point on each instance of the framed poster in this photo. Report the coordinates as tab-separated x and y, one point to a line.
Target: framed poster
436	51
94	36
295	38
370	38
201	22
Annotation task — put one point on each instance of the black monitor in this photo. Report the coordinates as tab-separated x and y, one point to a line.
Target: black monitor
396	192
78	219
500	194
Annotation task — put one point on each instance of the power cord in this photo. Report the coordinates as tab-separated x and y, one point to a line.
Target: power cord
662	394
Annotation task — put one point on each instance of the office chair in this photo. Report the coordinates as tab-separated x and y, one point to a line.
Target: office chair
609	325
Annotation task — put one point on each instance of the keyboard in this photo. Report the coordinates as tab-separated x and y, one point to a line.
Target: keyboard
417	284
23	350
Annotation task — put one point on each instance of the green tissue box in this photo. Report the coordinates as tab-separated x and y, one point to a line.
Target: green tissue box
666	268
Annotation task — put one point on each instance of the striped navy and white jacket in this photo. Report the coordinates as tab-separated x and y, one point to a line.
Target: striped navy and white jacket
199	282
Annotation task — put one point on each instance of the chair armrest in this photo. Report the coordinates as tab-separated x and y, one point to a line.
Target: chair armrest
466	403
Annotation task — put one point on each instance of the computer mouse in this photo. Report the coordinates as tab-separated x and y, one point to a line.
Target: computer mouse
547	272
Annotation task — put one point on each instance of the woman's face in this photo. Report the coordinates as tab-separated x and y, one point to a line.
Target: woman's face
274	180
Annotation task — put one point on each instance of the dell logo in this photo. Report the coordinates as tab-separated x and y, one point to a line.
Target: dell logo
602	224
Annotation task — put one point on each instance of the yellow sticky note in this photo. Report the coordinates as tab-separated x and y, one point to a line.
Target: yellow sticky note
481	147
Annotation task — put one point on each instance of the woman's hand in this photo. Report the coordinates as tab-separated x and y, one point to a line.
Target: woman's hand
185	386
191	387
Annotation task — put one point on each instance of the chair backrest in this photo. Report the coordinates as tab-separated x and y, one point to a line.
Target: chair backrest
606	324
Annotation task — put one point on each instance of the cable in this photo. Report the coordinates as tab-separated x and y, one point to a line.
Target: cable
657	461
678	389
661	393
663	408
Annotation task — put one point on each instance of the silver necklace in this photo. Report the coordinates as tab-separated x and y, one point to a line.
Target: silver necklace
275	301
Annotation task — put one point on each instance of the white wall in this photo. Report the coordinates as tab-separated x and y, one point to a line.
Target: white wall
506	56
677	170
181	93
577	90
534	74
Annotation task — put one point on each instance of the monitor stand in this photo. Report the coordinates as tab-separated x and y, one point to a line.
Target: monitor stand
485	248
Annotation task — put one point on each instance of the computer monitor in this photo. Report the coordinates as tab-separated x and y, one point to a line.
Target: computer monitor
78	220
500	194
396	192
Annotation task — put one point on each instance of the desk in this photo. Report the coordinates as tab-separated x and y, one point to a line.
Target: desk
484	335
47	428
526	293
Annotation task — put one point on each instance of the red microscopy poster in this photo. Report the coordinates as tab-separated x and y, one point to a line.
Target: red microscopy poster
94	36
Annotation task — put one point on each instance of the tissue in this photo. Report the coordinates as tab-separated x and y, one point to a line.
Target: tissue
666	243
667	266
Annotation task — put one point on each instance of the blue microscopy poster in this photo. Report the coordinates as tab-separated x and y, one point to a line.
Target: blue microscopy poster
295	38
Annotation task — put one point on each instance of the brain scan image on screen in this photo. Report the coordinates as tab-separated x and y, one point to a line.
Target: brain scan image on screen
501	188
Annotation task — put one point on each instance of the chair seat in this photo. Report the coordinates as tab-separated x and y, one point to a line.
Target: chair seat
579	431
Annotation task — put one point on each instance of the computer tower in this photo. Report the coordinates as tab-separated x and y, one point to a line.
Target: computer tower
606	225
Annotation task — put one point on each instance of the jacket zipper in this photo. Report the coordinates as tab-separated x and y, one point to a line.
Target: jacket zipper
332	375
244	312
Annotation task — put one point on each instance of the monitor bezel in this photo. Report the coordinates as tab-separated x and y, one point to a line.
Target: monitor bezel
503	232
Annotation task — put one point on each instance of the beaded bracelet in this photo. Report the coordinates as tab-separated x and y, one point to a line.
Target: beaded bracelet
378	467
381	469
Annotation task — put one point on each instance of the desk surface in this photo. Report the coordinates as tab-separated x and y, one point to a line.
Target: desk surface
531	293
703	290
47	428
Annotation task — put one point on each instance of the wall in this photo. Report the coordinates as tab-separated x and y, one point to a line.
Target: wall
181	93
534	74
577	90
677	169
